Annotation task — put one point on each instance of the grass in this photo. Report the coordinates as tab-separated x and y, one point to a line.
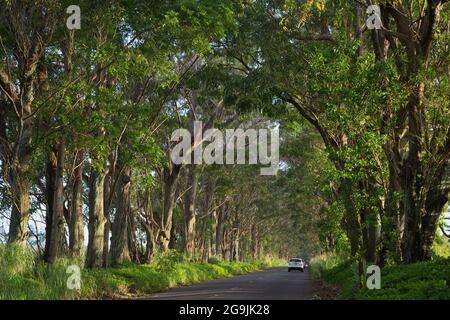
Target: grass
428	280
22	276
418	281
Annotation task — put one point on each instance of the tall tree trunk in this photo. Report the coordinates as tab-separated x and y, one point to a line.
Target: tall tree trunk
170	188
49	188
119	239
255	241
108	195
393	219
411	181
235	246
220	229
132	240
150	244
436	198
76	225
97	220
212	235
21	83
147	221
351	219
20	211
189	212
57	235
373	239
226	245
235	233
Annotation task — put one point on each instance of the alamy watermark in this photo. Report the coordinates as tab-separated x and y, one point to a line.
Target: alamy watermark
73	22
374	19
74	279
227	148
373	281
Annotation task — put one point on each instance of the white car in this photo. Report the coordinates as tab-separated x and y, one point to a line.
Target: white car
296	264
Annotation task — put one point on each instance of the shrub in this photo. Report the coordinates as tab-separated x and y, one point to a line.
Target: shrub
213	260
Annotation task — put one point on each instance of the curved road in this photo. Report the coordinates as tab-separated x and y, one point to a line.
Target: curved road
271	284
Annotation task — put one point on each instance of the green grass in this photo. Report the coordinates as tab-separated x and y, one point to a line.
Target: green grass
22	276
337	271
418	281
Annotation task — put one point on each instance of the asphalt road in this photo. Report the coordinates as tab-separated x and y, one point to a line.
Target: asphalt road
272	284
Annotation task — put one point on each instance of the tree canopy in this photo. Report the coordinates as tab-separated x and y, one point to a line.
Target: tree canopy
87	116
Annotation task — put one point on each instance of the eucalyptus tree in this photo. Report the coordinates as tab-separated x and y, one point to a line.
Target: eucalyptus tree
343	78
412	49
26	33
178	28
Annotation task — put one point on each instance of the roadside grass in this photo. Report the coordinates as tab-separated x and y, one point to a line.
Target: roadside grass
23	276
418	281
337	271
428	280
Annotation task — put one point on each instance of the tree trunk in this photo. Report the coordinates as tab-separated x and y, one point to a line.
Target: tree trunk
235	246
147	221
108	196
392	220
20	211
373	238
132	241
119	239
255	241
352	225
97	220
411	181
220	228
437	197
189	212
212	235
170	187
76	225
150	244
57	235
235	237
49	191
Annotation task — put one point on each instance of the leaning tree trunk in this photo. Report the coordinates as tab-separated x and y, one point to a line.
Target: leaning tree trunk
76	224
97	220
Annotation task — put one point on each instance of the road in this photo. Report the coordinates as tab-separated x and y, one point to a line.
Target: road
271	284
